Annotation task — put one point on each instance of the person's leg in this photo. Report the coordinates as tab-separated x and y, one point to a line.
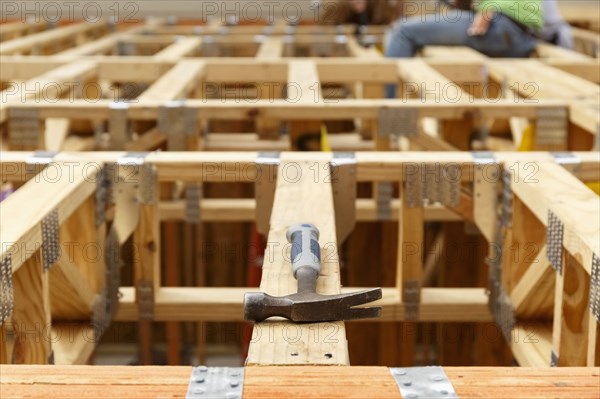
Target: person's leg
448	28
503	39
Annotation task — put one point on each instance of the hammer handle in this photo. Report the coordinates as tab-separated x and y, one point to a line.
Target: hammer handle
305	252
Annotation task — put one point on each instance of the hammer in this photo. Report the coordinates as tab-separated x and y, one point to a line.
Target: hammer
307	305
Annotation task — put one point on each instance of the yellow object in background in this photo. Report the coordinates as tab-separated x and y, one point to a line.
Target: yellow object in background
594	186
324	139
528	139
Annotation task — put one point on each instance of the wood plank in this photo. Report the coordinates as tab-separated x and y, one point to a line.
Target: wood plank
73	343
575	315
31	315
30	42
551	83
63	186
244	210
532	344
549	186
177	83
56	132
49	86
547	50
296	183
271	48
183	47
225	304
533	295
297	110
39	382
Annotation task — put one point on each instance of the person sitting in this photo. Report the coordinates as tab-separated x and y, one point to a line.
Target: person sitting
497	28
556	30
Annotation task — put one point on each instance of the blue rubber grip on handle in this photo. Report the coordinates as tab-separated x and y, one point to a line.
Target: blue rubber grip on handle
305	251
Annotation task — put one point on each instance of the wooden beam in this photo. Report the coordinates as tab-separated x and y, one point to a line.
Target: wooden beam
31	314
31	42
571	344
301	109
270	49
225	304
48	87
551	83
38	382
549	187
532	344
65	189
296	184
177	83
534	292
183	47
244	210
73	343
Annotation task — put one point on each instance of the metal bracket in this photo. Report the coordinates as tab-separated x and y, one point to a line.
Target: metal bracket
398	122
343	181
264	188
553	359
193	194
594	302
554	241
505	314
50	239
103	192
118	125
126	48
216	382
485	193
145	300
384	201
6	289
423	382
146	176
107	302
431	183
552	126
567	160
24	127
413	187
39	161
507	199
100	314
411	297
178	122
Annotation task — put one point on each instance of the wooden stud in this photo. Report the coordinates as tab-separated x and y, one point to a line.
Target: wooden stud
285	343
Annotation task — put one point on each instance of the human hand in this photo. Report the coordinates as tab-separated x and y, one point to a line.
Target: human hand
481	24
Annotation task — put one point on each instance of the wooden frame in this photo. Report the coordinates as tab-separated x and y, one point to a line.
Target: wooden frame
74	200
477	85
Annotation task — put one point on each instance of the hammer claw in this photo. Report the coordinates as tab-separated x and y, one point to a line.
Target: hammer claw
362	313
362	297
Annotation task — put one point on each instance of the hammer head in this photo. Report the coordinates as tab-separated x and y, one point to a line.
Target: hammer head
311	307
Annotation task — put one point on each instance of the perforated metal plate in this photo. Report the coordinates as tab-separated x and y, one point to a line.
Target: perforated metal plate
6	289
50	239
423	383
554	238
594	302
216	383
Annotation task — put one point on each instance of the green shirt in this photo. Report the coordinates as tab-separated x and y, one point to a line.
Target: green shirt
527	12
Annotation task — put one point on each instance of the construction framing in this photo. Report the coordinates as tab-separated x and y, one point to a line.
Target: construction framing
433	186
214	73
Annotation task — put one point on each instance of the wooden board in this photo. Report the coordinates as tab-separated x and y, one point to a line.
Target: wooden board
98	382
